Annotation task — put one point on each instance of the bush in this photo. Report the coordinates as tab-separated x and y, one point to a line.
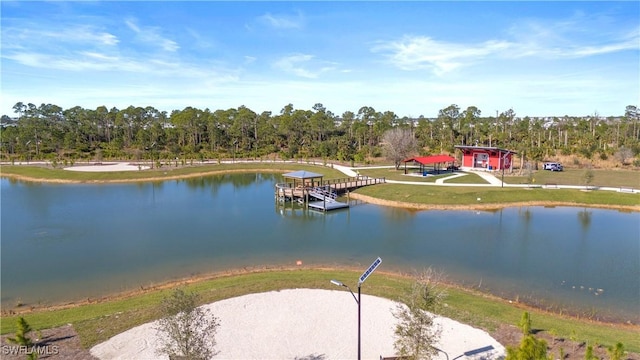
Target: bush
525	323
530	349
22	338
416	333
185	330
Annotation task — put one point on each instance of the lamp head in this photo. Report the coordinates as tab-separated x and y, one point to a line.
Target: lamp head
337	283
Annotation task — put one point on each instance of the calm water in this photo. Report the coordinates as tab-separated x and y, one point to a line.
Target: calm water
68	242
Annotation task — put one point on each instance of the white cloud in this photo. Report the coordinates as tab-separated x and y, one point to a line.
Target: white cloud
21	37
422	52
563	39
199	40
576	37
283	21
120	66
293	64
151	35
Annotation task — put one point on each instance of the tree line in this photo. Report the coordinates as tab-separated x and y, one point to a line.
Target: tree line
49	132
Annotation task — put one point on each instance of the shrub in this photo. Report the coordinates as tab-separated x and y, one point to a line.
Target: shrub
530	349
525	323
416	333
185	330
22	338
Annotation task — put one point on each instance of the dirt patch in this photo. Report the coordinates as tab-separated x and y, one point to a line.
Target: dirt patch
509	335
61	343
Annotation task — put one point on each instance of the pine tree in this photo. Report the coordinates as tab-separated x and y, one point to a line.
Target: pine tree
530	349
22	334
22	338
525	323
616	352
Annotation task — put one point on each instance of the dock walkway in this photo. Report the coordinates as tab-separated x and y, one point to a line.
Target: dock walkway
322	196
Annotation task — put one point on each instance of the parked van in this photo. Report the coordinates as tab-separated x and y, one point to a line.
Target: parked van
553	166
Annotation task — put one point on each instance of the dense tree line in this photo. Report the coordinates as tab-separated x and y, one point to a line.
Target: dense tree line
51	133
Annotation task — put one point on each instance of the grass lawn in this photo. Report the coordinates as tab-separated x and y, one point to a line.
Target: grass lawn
611	178
46	173
99	321
393	174
469	178
468	195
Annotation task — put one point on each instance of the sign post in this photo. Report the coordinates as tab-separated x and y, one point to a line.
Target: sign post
364	277
370	270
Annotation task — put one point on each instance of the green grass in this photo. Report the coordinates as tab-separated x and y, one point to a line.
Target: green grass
46	173
611	178
469	178
98	322
393	174
437	195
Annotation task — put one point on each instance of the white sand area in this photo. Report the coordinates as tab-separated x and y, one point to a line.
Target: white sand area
105	167
304	324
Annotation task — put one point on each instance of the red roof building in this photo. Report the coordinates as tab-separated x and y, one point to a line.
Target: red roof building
486	157
434	160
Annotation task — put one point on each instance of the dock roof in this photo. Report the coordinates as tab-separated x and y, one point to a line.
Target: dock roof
302	174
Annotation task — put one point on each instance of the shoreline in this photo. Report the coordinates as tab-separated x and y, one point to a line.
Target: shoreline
236	272
484	207
149	179
353	195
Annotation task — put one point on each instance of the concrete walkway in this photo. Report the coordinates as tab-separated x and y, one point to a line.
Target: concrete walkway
491	179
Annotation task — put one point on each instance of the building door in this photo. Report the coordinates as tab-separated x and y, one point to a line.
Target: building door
480	160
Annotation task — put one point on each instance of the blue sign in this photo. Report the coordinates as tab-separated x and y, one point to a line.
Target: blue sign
371	269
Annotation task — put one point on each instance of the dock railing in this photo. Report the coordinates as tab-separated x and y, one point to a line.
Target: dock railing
352	182
291	190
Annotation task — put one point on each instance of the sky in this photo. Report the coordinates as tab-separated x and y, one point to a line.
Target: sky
413	58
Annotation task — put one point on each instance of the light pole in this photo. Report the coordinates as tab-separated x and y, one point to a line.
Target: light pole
235	143
362	278
504	157
445	354
339	283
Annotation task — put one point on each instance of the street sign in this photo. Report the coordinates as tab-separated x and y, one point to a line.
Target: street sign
371	269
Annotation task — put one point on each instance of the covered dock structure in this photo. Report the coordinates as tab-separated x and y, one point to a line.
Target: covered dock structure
431	163
310	188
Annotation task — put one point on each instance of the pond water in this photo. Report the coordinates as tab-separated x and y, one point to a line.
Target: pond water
73	241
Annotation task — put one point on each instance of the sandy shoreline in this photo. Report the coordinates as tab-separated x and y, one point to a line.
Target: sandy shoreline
303	323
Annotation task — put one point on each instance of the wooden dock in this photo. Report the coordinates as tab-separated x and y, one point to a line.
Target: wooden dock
321	196
327	205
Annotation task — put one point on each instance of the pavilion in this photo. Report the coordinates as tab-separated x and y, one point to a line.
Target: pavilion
434	160
303	178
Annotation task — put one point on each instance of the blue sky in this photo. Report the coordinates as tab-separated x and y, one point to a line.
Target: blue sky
412	58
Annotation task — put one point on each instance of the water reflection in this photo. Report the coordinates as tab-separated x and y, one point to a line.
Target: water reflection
584	217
